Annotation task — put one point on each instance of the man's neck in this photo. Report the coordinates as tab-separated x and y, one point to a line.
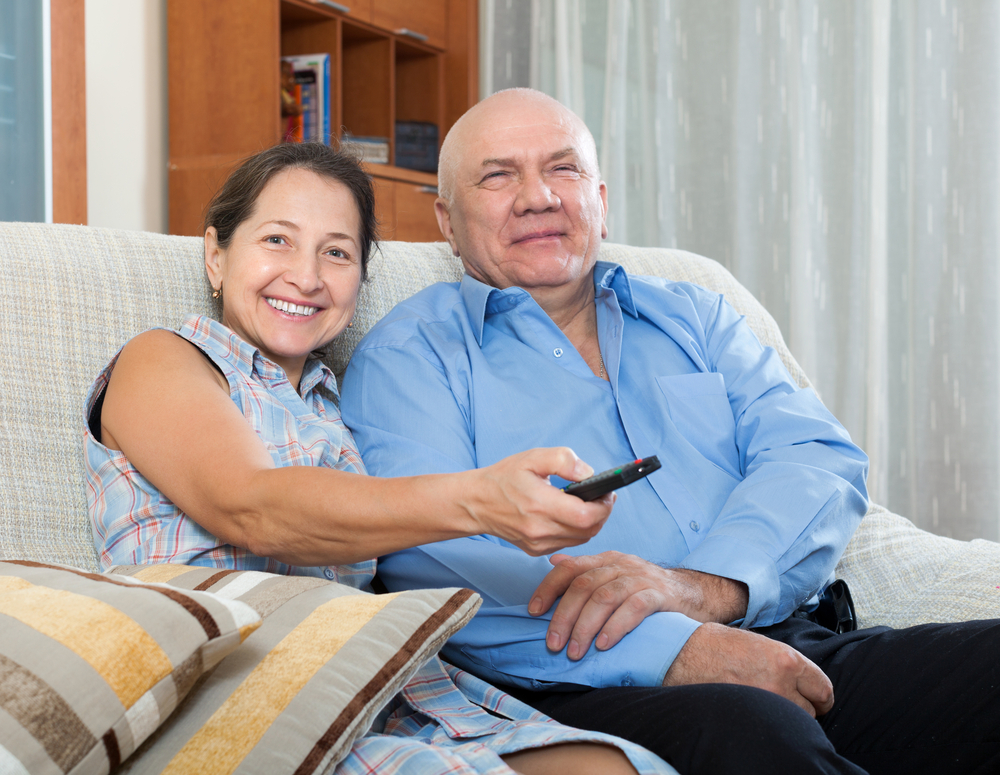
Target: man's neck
574	311
571	308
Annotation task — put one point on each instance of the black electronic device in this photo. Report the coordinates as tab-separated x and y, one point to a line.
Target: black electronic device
599	484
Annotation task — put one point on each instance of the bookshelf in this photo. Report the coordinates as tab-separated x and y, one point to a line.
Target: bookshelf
390	60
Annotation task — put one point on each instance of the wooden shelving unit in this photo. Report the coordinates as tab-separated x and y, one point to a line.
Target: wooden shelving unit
390	60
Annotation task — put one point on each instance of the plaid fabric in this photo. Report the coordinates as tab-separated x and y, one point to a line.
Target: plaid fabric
448	722
135	524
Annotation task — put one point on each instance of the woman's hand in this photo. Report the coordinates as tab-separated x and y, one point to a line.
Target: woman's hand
513	500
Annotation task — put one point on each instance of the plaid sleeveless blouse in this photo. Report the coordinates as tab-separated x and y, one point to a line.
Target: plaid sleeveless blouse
134	523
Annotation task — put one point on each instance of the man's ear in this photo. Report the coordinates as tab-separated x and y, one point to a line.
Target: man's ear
604	207
214	257
444	223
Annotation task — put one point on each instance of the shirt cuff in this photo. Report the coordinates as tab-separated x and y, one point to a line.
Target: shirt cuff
738	560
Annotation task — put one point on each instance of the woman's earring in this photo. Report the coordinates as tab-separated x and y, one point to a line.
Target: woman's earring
217	293
351	323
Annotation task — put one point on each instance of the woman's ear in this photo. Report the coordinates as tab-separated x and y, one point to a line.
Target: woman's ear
214	257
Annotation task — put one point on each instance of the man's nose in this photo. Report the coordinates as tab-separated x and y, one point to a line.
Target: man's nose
536	195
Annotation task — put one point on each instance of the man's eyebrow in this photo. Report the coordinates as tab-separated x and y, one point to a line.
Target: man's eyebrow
510	162
497	163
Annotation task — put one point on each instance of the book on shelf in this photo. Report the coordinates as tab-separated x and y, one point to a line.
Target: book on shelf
374	150
417	145
306	81
312	74
291	102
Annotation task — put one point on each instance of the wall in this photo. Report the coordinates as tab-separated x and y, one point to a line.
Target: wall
127	114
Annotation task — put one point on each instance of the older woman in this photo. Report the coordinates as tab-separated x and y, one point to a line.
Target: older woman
220	444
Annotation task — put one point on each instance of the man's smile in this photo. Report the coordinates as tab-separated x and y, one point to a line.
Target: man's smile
538	235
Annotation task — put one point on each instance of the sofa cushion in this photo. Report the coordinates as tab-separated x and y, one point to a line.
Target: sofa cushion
90	665
309	682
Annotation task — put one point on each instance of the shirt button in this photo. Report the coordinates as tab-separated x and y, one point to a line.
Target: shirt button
331	575
695	526
558	352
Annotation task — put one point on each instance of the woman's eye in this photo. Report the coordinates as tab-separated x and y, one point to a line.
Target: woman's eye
274	239
338	254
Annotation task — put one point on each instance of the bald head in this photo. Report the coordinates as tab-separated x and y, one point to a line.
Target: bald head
503	108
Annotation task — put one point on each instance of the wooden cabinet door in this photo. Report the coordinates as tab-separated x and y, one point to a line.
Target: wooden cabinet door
415	218
424	18
405	211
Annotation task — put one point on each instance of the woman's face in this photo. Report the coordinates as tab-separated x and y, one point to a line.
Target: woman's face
291	273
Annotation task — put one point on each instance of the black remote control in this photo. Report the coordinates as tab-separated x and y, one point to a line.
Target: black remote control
598	484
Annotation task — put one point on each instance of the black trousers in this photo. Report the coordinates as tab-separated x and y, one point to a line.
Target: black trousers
921	700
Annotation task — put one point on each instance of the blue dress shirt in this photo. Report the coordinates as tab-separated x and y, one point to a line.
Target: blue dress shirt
759	482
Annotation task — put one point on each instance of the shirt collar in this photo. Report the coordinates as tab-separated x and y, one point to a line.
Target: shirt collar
482	300
610	276
216	338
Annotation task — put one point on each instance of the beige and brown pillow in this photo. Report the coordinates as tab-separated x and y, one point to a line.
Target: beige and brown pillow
91	665
310	681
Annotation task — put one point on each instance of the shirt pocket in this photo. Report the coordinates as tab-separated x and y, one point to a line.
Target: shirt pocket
699	407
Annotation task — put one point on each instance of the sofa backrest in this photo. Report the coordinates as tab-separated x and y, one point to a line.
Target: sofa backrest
72	296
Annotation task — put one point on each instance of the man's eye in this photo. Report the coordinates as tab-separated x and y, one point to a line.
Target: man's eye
497	174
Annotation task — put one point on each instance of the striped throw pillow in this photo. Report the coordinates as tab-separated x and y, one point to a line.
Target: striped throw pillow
310	681
91	665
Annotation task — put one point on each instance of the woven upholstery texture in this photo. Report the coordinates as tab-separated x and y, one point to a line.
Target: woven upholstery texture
73	295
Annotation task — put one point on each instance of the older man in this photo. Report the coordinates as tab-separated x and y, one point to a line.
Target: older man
760	490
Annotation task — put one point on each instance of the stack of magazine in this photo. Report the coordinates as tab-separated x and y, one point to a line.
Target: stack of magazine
374	150
312	78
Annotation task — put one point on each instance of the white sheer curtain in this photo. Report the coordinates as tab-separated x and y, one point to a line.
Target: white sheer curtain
840	157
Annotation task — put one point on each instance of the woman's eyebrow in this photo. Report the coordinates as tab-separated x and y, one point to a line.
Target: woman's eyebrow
293	225
286	224
340	235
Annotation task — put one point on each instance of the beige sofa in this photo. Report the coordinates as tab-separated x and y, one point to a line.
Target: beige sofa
72	295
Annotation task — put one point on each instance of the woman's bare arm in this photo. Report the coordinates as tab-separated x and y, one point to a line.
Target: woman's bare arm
169	411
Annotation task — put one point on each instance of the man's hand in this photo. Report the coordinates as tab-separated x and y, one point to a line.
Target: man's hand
719	654
607	595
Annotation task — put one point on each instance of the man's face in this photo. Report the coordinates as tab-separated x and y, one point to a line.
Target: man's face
527	206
